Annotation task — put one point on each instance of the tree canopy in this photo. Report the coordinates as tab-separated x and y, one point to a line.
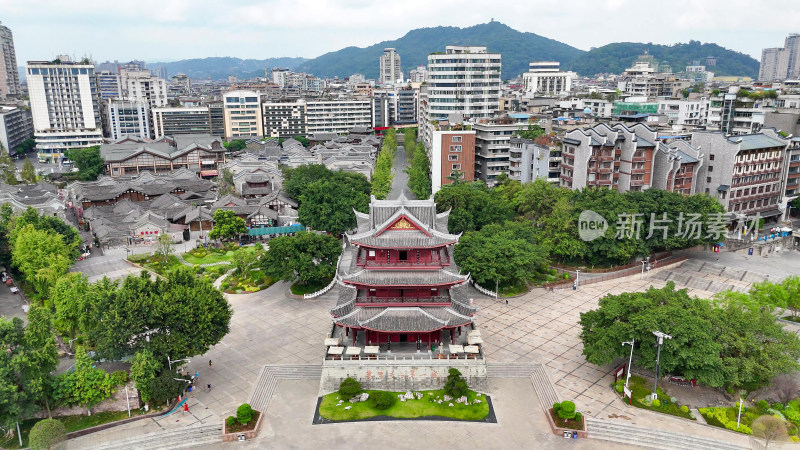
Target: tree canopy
473	206
730	346
309	257
227	225
88	161
382	176
327	198
419	173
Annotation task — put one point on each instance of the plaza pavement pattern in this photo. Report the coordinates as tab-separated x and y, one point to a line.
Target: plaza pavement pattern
269	328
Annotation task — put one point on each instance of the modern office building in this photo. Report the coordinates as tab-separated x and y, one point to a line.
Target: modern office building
128	118
9	76
216	117
64	106
546	78
285	119
179	121
243	118
338	116
109	85
15	127
390	69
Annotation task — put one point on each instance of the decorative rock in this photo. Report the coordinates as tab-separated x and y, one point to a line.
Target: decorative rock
450	404
439	401
402	398
409	395
447	398
364	396
347	407
419	396
477	395
477	401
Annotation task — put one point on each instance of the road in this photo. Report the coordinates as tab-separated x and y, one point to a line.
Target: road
400	180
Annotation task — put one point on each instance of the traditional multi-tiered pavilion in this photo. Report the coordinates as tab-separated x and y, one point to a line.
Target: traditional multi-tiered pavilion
398	280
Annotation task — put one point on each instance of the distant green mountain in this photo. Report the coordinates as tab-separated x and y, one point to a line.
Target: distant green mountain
517	48
615	58
219	68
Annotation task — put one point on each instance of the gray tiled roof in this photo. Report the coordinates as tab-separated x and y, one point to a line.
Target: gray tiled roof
404	277
403	318
756	141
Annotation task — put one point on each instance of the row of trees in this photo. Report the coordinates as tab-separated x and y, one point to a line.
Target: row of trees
327	198
639	223
382	176
419	173
733	342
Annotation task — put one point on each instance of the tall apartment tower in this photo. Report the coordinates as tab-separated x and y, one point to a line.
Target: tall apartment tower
391	71
9	77
64	106
463	80
243	117
781	63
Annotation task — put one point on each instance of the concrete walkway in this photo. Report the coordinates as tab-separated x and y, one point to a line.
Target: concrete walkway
400	180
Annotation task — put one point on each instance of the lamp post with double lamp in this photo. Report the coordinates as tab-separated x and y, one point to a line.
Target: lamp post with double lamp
644	263
170	361
661	336
630	360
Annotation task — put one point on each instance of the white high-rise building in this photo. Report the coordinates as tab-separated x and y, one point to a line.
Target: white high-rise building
9	77
390	70
546	77
418	75
142	86
781	63
243	117
64	106
128	118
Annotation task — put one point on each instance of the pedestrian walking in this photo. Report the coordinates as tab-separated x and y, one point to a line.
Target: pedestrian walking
506	302
209	387
185	408
196	375
209	363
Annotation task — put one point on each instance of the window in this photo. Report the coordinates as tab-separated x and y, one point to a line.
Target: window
708	179
452	157
710	168
710	157
456	138
455	148
456	166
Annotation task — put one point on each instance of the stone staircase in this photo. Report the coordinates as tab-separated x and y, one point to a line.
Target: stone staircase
509	370
271	374
542	384
653	438
169	439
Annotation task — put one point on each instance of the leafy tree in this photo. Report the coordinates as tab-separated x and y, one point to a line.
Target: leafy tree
303	140
297	180
770	429
235	145
244	413
31	216
165	387
88	161
225	185
505	254
349	387
26	145
382	176
41	257
328	204
28	173
8	166
730	346
533	132
473	206
227	225
181	316
144	367
243	261
86	386
785	294
164	245
309	257
47	434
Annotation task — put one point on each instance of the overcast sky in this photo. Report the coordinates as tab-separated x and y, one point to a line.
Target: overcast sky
166	30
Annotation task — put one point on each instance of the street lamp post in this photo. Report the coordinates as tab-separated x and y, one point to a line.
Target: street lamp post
630	360
170	361
644	262
577	277
661	336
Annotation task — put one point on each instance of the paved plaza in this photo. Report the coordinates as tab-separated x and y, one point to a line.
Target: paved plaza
268	327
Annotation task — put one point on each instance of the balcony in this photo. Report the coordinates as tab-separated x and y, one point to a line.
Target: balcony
409	301
603	182
638	171
639	159
637	182
435	263
606	158
604	170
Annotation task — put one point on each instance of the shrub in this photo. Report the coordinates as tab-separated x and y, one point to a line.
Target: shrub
47	433
383	399
349	388
792	416
455	386
656	402
244	414
762	405
566	410
620	387
684	409
578	416
230	421
565	276
778	406
119	377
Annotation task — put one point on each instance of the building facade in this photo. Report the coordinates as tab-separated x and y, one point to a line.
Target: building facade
285	119
201	154
546	78
452	157
128	118
15	126
9	76
781	63
405	286
175	121
64	106
338	116
243	116
109	85
492	149
529	161
390	69
463	80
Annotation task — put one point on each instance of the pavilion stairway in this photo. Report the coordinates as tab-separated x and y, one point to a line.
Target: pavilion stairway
168	439
271	374
653	438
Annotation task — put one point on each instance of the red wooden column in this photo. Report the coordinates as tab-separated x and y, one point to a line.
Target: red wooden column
452	336
355	333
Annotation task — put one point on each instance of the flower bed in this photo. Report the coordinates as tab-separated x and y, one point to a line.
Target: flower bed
334	407
640	391
254	281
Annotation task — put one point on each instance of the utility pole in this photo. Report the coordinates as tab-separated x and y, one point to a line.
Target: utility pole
661	336
630	360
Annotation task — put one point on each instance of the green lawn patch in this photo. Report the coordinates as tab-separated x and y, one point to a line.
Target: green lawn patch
255	281
213	255
640	389
71	423
409	409
302	289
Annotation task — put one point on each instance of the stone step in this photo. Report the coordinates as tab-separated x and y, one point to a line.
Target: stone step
652	438
544	387
176	438
513	370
